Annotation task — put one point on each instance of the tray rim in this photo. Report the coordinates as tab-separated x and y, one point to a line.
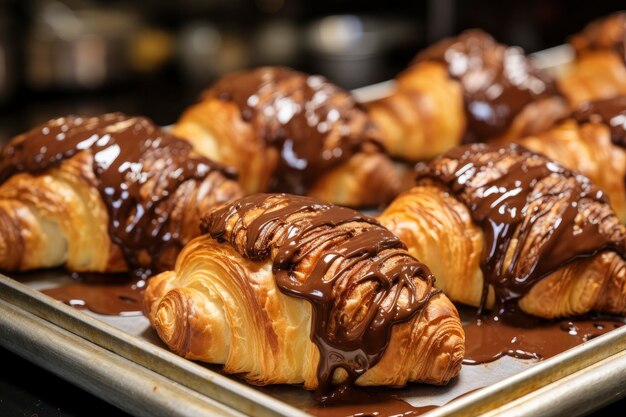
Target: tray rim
247	400
123	383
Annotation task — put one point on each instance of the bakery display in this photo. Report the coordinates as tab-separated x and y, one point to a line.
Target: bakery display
286	131
107	193
288	289
599	69
592	140
467	88
509	229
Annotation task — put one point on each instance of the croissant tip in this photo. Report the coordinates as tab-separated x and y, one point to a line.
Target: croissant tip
170	320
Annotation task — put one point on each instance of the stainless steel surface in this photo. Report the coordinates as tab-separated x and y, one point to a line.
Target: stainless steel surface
575	395
131	338
119	381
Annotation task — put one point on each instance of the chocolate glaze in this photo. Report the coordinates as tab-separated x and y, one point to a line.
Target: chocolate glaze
370	403
313	124
610	112
487	339
138	168
515	195
326	255
608	33
498	81
114	295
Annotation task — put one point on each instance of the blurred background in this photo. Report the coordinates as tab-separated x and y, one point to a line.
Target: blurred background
155	57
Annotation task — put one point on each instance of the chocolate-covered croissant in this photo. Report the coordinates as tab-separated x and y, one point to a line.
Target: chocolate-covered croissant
286	131
287	289
599	70
592	141
110	193
465	89
509	228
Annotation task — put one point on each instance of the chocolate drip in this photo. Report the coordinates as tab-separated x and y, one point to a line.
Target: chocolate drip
498	81
138	168
313	124
326	255
610	112
536	215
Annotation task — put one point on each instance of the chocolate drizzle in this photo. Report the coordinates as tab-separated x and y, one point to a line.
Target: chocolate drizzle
498	81
610	112
329	255
138	169
536	215
313	124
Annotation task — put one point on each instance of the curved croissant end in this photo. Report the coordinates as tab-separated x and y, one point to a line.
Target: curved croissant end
220	307
109	193
55	219
439	230
286	131
412	124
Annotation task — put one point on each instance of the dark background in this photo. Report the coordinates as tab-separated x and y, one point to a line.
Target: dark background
155	57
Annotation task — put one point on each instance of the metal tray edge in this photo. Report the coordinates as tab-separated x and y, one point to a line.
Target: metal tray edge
211	384
247	400
121	382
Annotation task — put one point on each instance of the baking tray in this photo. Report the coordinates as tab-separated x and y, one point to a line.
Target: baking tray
120	359
98	352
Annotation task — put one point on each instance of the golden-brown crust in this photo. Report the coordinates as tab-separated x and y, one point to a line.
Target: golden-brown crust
440	101
325	129
219	307
61	220
588	149
412	121
606	33
58	217
594	75
439	229
216	130
599	70
289	265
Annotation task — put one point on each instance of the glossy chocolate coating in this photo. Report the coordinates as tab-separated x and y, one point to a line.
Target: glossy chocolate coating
498	81
313	124
610	112
138	168
536	215
343	254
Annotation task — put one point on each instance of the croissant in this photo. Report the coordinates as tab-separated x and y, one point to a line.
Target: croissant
286	131
287	289
592	141
599	70
465	89
508	229
110	193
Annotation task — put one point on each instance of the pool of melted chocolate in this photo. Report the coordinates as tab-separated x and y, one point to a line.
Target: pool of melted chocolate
488	343
489	338
112	294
